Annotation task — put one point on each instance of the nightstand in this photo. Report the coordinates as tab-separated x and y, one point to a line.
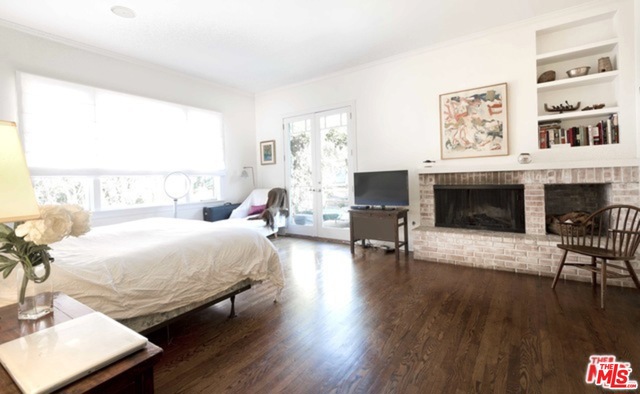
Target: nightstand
131	374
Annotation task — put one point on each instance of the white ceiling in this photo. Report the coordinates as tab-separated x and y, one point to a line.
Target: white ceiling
256	45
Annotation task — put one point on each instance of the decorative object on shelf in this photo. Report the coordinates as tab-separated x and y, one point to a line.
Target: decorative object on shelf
26	247
547	76
176	185
268	152
578	71
473	123
560	108
604	64
524	158
592	107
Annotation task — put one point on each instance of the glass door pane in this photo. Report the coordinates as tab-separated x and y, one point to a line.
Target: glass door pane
334	164
301	191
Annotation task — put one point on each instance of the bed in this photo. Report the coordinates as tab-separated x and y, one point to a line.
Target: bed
147	272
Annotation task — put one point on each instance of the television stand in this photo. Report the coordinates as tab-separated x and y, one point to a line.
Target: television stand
381	225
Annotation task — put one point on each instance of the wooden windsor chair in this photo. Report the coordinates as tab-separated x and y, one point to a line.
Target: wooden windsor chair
609	234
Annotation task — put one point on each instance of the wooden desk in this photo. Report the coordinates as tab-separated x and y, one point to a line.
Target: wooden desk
381	225
132	374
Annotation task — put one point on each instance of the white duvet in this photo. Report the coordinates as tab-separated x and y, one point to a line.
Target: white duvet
155	265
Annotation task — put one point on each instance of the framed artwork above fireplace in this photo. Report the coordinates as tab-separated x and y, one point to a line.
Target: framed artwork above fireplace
473	123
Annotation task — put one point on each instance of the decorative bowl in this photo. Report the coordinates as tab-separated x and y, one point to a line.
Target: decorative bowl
524	158
578	71
547	76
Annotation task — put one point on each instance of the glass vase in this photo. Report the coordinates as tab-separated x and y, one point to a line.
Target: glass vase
38	297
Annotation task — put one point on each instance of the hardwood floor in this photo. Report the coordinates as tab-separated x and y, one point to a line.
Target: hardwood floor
369	324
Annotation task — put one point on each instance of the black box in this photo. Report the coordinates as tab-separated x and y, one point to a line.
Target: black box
221	212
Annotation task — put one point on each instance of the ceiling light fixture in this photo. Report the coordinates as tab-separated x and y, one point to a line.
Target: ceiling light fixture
123	12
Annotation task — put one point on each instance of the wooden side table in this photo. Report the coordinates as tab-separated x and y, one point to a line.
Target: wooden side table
381	225
131	374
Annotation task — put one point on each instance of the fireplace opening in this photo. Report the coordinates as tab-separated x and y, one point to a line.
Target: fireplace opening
480	207
574	202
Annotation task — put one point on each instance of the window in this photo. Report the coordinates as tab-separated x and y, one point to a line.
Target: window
107	150
62	190
123	191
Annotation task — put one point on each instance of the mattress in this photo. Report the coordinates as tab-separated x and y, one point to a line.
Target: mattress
153	266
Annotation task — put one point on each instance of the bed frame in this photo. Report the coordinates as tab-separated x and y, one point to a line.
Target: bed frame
147	324
231	296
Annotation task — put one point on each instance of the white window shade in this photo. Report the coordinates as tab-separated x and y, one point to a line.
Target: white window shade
72	129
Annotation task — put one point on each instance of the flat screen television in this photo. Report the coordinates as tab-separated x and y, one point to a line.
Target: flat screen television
381	188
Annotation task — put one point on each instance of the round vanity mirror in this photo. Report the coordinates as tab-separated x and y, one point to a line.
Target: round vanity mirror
177	185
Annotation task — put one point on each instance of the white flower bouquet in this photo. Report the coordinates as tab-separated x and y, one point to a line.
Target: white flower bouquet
28	243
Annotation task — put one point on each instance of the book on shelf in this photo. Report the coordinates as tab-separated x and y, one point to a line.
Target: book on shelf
584	138
543	139
604	132
554	136
573	136
592	134
548	134
615	137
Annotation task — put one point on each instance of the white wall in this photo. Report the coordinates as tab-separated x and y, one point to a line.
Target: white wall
37	55
637	53
397	101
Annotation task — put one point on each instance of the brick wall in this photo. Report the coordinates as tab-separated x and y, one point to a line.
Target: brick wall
563	198
534	252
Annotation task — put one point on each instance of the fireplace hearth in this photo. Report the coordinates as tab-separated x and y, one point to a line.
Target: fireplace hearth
480	207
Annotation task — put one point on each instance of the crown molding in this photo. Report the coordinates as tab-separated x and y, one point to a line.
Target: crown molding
117	56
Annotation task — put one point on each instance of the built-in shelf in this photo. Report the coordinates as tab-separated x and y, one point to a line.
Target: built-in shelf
588	42
603	112
591	49
587	80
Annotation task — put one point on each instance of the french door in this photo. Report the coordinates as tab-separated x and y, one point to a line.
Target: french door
319	169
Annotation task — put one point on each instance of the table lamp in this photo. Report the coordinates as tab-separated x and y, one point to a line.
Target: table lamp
17	199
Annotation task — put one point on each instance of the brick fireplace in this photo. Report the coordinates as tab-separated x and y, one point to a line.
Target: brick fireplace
480	207
533	252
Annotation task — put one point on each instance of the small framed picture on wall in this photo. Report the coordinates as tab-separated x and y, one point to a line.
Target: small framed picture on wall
268	152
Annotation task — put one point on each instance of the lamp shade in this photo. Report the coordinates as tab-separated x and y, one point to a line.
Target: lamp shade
17	200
